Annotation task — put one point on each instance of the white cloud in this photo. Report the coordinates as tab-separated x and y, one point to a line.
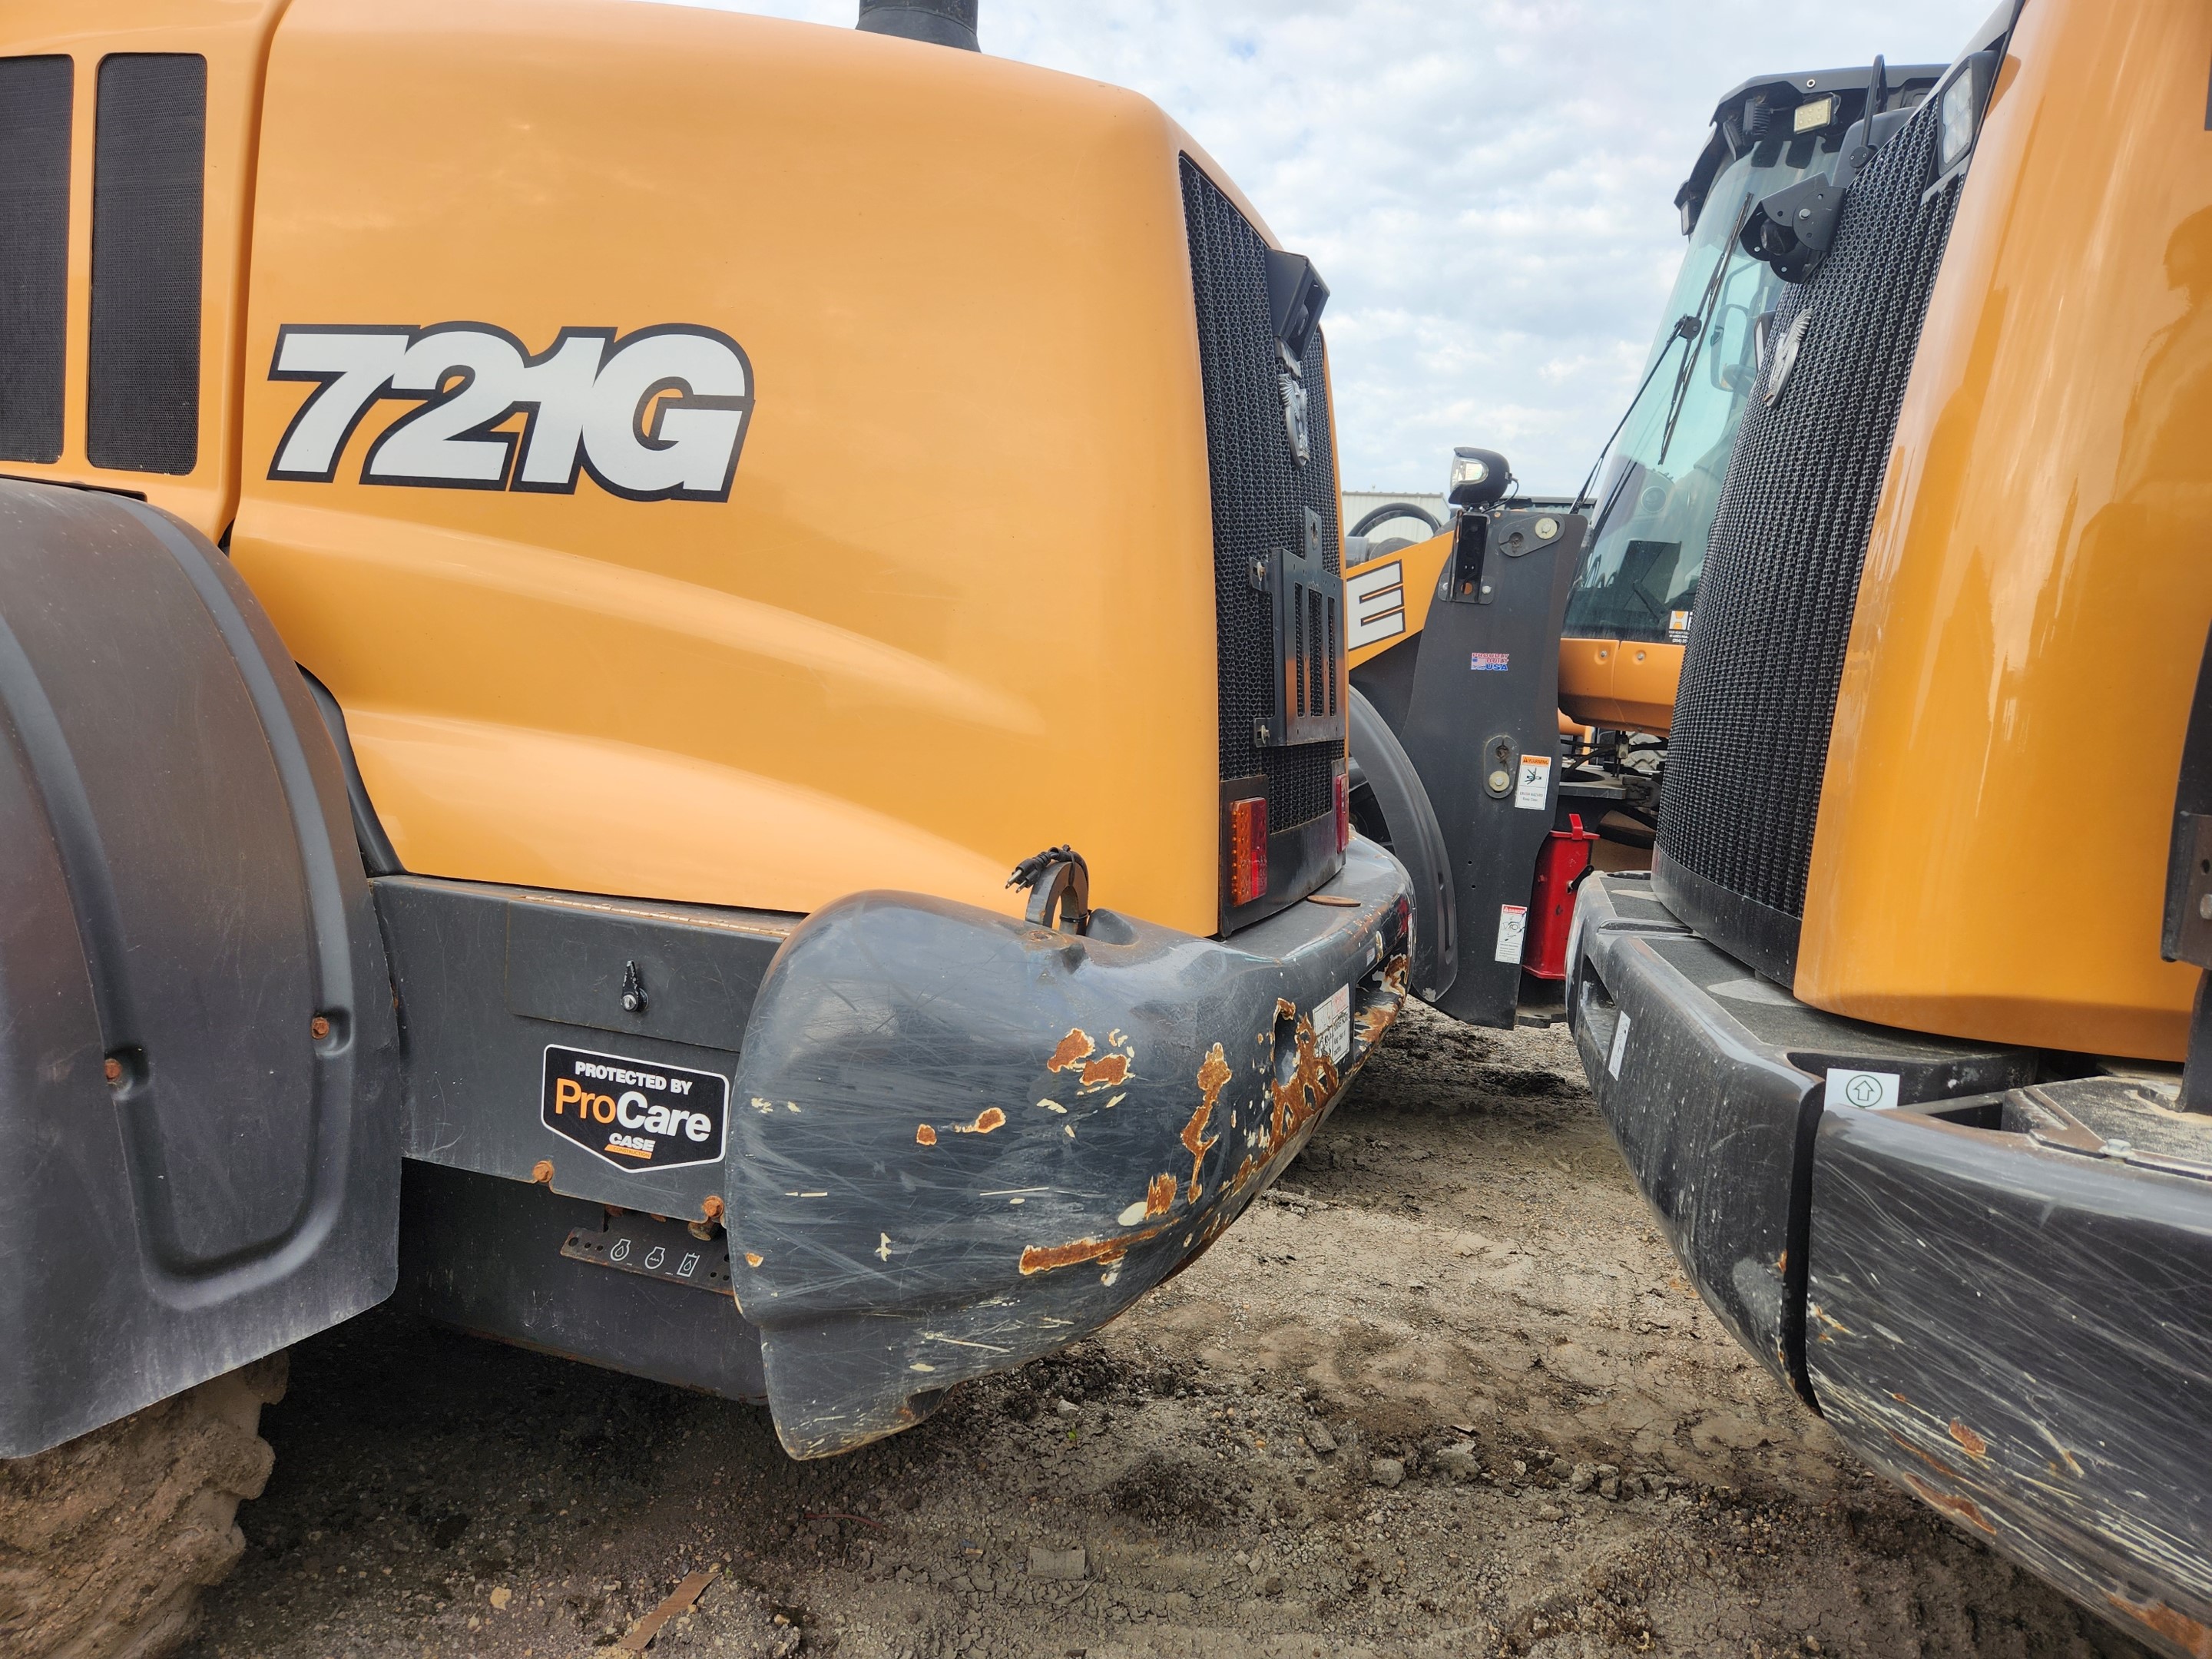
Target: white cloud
1487	184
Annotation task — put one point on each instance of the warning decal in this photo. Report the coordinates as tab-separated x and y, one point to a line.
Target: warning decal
636	1114
1533	793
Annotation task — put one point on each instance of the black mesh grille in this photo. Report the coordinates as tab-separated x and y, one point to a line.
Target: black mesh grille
1261	493
1758	681
150	143
35	95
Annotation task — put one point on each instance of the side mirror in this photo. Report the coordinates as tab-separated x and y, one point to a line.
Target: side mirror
1479	477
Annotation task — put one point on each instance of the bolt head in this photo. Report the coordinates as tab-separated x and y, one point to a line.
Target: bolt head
112	1070
630	1002
1499	780
319	1027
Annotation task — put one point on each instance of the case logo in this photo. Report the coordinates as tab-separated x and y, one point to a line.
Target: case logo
656	415
634	1114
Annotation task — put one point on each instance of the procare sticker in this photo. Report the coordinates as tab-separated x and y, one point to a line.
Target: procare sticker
636	1114
1333	1026
1490	662
1534	791
1870	1092
1512	928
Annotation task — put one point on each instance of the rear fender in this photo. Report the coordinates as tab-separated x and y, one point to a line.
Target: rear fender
198	1051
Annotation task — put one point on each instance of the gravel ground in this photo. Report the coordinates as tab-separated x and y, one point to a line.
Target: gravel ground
1443	1393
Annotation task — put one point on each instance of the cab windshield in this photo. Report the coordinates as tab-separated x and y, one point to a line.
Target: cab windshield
1655	504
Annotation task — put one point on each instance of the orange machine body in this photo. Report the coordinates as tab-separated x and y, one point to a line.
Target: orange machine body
1990	856
953	600
1627	685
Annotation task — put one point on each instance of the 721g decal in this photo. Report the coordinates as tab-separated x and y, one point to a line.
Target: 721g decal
658	414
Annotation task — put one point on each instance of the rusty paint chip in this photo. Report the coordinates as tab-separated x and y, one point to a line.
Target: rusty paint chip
1214	1075
2177	1626
924	1135
1960	1509
988	1119
1975	1445
1076	1046
1159	1197
753	1258
542	1172
1107	1072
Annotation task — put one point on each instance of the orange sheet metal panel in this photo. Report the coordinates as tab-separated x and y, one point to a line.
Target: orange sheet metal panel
1387	599
1627	685
958	604
1991	848
233	36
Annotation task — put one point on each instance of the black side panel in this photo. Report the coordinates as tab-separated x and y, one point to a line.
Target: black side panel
2008	1320
1750	741
198	1054
1487	681
148	167
35	97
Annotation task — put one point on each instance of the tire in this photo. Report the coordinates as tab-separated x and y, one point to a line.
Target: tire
107	1540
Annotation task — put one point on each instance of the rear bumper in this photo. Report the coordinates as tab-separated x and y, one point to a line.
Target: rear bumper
2007	1306
955	1142
962	1142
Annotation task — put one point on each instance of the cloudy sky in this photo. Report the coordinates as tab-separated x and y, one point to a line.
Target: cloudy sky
1487	184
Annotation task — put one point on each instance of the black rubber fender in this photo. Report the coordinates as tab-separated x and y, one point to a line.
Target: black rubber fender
1381	765
198	1050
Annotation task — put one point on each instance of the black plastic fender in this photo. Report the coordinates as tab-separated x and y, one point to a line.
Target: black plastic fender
199	1071
1381	766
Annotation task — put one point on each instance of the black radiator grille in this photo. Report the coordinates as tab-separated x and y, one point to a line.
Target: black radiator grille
1261	493
35	96
1760	679
143	373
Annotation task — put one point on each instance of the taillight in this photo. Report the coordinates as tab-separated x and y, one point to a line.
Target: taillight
1248	850
1343	811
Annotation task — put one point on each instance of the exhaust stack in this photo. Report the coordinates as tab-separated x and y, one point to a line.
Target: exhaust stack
945	22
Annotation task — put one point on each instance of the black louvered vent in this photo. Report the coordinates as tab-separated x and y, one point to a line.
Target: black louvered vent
1260	494
35	97
150	145
1758	681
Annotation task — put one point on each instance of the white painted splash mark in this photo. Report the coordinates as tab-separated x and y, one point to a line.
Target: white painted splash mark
806	1194
1116	1101
959	1342
764	1107
1053	1106
1132	1215
1109	1275
883	1248
1068	1129
918	1366
790	1105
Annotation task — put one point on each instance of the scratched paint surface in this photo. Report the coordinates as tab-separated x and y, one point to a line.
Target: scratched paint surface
1459	1246
961	1143
1998	1327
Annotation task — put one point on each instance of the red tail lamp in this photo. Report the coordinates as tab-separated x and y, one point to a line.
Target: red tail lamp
1248	850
